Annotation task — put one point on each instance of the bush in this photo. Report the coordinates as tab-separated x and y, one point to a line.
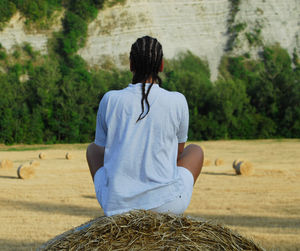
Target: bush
7	9
35	10
2	55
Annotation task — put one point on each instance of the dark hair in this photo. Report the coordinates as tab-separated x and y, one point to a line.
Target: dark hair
146	57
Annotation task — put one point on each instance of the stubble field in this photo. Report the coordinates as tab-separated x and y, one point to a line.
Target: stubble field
264	206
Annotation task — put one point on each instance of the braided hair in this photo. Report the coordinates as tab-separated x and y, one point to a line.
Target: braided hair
146	58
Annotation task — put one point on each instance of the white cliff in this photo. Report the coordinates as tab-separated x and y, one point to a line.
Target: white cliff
196	25
279	22
15	33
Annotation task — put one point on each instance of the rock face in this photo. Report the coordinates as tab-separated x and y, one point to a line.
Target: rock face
196	25
14	34
279	22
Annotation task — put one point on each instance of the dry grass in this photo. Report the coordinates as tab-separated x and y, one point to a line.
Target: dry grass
146	230
219	162
6	164
35	163
42	155
242	167
264	207
207	162
26	171
69	156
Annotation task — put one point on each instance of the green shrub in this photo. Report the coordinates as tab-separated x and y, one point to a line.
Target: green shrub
2	55
28	49
35	10
7	9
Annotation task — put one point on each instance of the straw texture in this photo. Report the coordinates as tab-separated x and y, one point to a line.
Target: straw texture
68	156
42	155
6	164
219	162
146	230
242	167
206	162
34	163
26	171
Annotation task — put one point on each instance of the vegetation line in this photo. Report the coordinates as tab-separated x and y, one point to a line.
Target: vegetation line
54	98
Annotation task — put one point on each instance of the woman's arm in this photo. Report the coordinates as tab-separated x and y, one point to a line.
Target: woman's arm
180	149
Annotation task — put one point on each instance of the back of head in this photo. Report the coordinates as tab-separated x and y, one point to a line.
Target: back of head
146	58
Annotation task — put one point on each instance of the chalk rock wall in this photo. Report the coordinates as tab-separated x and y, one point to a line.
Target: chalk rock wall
180	25
279	22
196	25
15	33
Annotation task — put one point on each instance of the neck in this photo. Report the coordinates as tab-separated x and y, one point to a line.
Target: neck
149	80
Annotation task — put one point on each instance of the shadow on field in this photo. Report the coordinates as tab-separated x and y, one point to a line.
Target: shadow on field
19	245
8	177
89	196
252	221
55	208
212	173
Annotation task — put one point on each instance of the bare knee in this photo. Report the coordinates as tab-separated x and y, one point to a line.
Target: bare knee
94	149
192	159
95	157
197	152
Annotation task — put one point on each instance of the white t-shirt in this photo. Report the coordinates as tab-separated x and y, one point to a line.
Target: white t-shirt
140	160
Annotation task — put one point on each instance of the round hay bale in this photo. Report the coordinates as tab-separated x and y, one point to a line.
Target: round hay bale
146	230
34	163
235	162
26	171
219	162
6	164
42	155
243	168
206	162
68	156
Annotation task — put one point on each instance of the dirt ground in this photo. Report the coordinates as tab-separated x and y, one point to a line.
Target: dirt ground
264	206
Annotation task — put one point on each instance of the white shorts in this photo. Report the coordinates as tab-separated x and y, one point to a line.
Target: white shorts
176	206
182	201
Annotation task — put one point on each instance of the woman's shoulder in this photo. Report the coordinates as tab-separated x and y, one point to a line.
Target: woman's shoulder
174	95
112	94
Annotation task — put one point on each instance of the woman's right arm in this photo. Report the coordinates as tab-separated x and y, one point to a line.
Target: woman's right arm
180	149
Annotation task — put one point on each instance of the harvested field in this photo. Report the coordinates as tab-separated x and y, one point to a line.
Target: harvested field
264	206
219	162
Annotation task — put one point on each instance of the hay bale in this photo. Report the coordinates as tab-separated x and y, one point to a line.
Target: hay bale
219	162
42	155
34	163
6	164
146	230
68	156
242	167
234	163
26	171
206	162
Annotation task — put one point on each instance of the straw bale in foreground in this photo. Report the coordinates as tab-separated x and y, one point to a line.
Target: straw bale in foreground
26	171
242	167
146	230
6	164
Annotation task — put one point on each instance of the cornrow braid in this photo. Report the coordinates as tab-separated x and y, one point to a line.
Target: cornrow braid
146	57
